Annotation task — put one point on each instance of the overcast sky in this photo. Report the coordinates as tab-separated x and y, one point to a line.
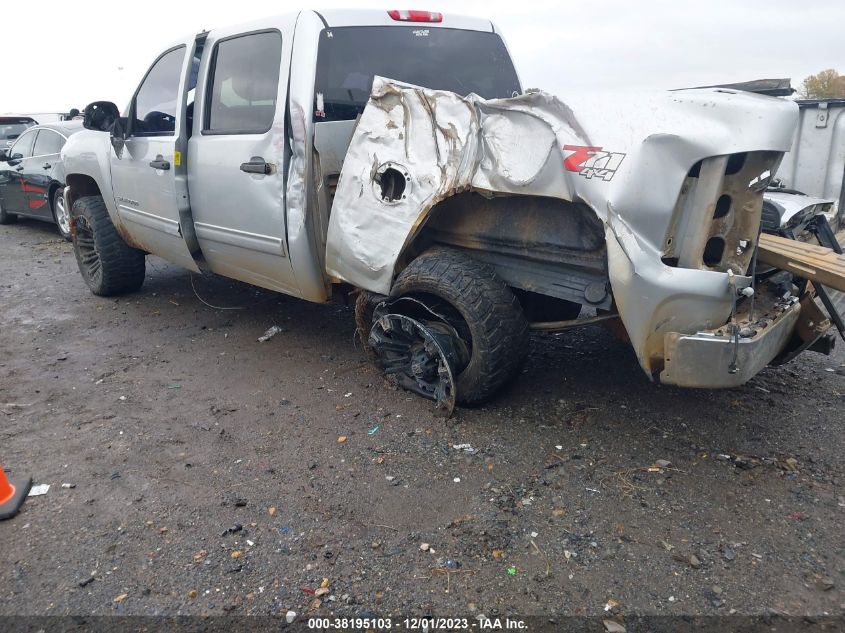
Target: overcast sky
91	50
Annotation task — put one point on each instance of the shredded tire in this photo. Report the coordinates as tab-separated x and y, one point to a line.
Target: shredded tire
365	306
498	327
108	264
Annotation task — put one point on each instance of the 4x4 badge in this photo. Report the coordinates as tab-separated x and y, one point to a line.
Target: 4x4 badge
591	162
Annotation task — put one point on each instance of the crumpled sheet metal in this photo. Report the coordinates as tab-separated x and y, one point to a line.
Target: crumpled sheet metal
448	144
625	155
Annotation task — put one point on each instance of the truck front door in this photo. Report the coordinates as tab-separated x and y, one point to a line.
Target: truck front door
143	174
236	156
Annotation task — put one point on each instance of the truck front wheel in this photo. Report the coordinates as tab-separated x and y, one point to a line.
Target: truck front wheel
108	264
480	311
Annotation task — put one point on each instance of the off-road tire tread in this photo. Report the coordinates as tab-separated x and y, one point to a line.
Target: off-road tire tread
498	326
123	267
365	306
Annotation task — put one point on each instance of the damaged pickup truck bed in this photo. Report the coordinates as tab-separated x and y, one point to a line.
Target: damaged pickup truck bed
461	222
648	207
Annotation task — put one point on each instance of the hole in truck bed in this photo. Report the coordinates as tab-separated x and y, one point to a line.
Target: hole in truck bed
723	206
392	183
713	251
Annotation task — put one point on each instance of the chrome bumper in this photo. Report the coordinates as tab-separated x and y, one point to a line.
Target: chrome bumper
704	359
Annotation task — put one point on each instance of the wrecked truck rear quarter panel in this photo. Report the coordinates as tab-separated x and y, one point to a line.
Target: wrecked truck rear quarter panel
655	169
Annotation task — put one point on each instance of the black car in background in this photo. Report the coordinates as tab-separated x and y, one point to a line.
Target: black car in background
11	127
32	176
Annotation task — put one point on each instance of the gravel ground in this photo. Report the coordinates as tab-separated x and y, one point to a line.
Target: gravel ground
210	475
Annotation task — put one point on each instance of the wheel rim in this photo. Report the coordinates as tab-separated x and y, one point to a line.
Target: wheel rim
62	216
86	250
418	358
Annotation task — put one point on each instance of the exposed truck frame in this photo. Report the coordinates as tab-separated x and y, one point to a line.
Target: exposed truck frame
458	219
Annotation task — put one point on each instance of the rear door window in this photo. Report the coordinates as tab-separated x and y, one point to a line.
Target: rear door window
47	143
156	102
244	84
441	59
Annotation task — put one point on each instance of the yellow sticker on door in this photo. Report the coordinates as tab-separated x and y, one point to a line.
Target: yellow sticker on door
177	158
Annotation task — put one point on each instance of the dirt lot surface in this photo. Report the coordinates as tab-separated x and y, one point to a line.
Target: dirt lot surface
210	475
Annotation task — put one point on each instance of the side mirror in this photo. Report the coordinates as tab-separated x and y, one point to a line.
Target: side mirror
118	134
14	159
100	116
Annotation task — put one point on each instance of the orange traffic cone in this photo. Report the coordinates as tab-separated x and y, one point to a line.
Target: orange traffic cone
12	495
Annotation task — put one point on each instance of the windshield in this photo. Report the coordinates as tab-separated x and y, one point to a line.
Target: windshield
10	129
442	59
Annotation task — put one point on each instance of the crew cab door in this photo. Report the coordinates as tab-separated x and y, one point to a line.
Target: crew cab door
143	171
236	155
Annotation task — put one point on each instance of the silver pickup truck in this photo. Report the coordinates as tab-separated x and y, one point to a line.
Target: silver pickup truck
462	211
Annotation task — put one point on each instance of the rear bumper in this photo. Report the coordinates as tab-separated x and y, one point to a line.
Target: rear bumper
704	359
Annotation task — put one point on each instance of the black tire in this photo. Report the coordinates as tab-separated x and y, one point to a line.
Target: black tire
490	310
61	216
108	264
365	306
7	218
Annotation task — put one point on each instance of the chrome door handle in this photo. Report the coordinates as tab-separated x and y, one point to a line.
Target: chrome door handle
46	166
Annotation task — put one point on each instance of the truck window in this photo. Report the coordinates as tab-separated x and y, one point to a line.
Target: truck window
156	101
442	59
244	84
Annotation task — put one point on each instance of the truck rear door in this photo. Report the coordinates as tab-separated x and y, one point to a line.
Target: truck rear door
144	174
236	155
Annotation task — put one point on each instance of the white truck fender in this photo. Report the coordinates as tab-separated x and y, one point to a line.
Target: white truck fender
87	157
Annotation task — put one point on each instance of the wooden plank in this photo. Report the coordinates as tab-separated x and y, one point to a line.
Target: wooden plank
810	261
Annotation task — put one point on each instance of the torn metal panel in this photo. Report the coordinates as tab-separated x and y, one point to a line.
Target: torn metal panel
627	157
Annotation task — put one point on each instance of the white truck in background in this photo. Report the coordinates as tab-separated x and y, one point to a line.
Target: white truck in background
815	164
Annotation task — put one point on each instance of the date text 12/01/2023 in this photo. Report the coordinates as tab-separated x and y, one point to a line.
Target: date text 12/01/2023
479	623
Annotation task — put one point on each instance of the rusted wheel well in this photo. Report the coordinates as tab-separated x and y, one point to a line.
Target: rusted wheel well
511	221
81	186
539	246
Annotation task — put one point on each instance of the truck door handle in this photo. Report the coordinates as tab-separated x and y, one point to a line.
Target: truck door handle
46	166
160	163
256	165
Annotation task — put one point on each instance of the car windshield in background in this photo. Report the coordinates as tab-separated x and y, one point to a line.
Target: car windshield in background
442	59
12	128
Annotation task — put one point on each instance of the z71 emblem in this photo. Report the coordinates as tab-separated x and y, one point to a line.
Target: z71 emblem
591	162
